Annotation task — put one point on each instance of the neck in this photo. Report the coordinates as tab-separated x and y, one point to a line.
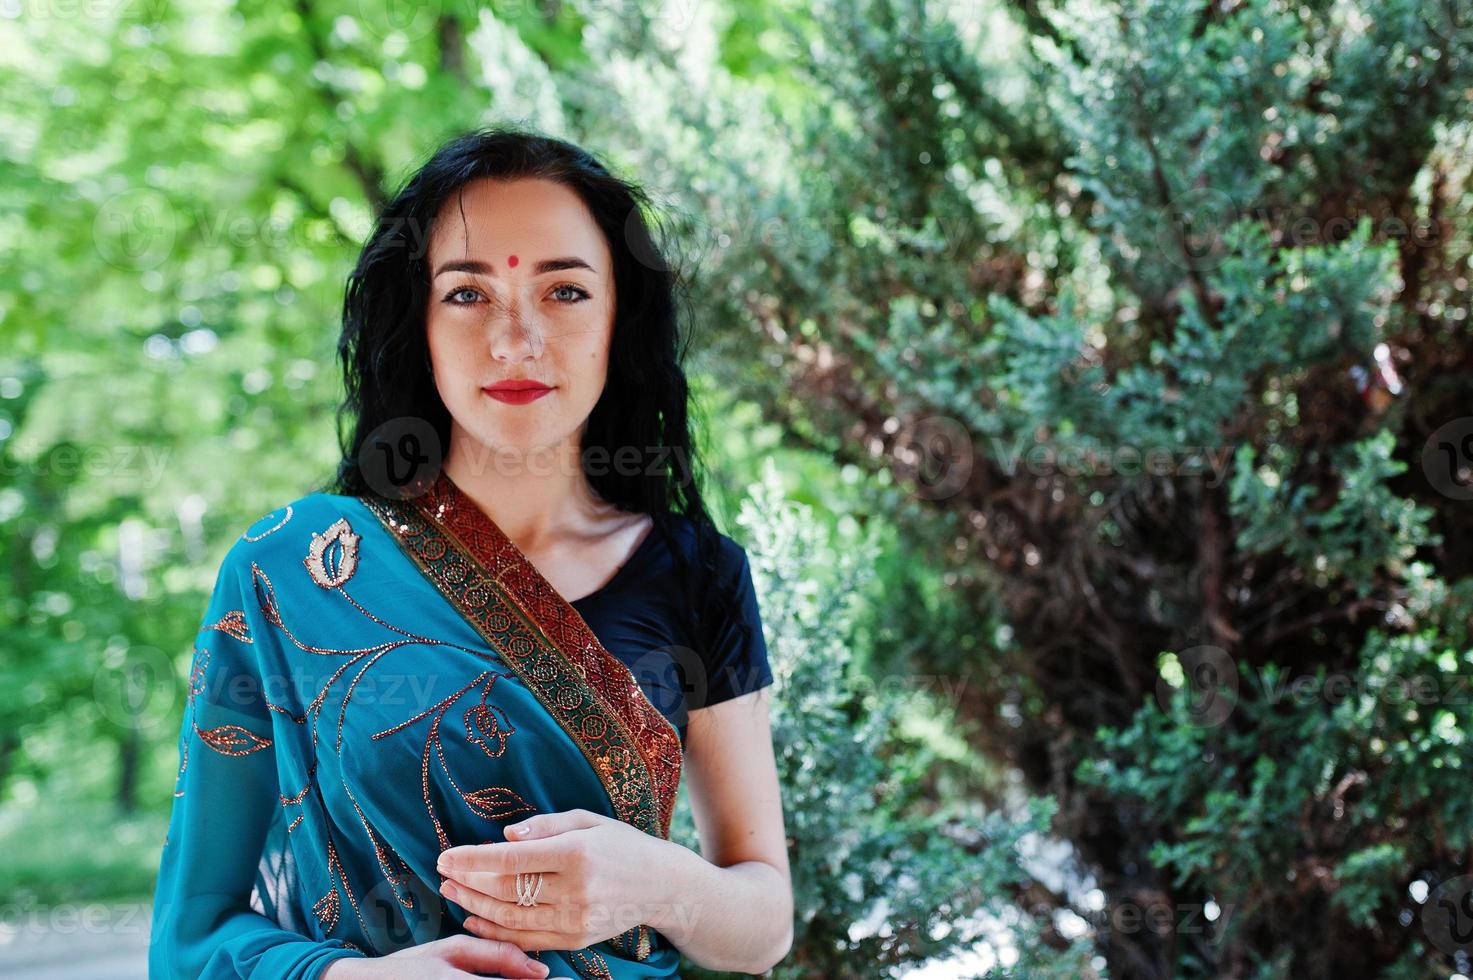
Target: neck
533	495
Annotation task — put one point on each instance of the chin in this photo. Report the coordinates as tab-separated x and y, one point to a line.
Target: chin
497	436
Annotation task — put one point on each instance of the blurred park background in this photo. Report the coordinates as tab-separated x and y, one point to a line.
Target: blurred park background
1090	383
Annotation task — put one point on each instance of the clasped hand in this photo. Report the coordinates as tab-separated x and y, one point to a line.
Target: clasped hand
600	878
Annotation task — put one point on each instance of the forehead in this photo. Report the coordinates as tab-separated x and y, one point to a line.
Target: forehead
531	219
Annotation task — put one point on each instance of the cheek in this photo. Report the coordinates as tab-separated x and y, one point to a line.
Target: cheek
579	343
595	352
448	341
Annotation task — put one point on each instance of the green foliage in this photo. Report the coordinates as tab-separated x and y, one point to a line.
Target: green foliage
866	843
1365	876
1366	531
1087	229
1101	231
1350	777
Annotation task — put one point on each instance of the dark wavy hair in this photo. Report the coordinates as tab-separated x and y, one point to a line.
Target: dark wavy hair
645	405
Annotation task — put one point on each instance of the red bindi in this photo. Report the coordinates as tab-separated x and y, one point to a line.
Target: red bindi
511	261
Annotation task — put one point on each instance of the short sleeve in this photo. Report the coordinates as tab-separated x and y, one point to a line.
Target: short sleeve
735	652
225	794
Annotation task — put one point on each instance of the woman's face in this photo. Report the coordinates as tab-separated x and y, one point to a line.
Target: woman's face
521	288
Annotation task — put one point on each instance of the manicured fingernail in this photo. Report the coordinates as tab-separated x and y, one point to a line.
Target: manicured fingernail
541	968
518	830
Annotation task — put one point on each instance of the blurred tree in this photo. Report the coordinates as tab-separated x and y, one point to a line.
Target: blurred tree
1161	308
189	185
1149	320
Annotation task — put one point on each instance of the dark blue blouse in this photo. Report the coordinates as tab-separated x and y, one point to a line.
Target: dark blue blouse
637	616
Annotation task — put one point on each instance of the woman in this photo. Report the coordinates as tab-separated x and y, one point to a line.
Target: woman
391	681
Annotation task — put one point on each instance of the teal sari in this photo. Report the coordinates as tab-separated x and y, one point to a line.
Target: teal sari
374	681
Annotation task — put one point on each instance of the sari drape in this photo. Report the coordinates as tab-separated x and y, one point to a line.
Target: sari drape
374	681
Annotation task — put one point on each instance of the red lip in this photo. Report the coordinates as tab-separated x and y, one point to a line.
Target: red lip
523	385
516	392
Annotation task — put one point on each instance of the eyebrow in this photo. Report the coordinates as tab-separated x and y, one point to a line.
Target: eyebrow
485	268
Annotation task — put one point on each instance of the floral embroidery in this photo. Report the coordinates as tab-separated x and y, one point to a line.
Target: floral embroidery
591	965
226	739
604	712
247	536
633	942
497	803
331	561
232	740
233	624
333	556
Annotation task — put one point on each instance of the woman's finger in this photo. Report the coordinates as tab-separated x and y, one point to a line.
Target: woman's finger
508	914
561	853
480	956
504	887
528	938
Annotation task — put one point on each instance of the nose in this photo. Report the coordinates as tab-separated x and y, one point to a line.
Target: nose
513	332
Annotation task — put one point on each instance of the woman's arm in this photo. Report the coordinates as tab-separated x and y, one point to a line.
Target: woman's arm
731	907
202	922
730	910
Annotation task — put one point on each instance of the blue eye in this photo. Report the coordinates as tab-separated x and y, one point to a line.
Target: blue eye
578	290
566	293
450	296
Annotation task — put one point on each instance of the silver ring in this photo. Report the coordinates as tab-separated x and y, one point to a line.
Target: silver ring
526	894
